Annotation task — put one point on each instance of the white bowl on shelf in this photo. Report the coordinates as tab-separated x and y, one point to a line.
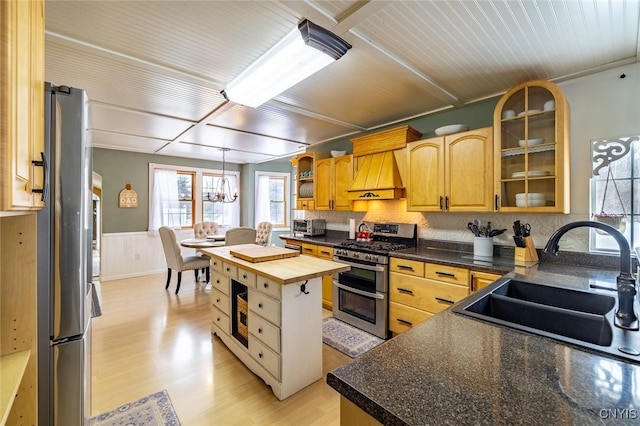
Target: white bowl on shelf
532	142
338	153
508	113
532	203
532	196
549	105
451	128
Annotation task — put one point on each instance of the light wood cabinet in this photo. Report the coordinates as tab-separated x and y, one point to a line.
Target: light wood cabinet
478	280
305	179
22	109
418	290
334	177
18	320
531	131
451	173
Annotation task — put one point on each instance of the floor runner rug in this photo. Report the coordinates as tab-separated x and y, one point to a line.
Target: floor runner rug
346	338
152	410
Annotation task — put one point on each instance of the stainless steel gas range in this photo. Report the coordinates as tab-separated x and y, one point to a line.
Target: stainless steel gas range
361	295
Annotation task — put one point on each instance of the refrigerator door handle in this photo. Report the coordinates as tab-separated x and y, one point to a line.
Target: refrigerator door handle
45	183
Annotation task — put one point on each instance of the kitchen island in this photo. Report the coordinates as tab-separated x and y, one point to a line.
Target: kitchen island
269	313
455	370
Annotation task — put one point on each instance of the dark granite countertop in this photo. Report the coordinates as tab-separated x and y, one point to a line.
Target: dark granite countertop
456	370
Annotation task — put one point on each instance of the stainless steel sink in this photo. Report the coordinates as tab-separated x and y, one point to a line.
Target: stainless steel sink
574	317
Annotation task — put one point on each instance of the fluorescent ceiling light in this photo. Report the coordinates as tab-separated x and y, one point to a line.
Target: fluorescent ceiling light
303	52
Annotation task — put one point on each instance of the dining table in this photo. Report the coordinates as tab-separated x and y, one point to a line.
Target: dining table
200	243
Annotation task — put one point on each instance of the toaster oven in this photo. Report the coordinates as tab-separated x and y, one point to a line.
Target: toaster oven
309	227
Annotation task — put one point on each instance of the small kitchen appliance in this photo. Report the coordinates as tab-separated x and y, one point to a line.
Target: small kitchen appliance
309	227
361	295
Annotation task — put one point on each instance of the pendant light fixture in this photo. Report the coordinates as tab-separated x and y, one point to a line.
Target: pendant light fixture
304	51
222	193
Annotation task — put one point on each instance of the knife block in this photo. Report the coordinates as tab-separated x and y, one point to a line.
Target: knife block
527	253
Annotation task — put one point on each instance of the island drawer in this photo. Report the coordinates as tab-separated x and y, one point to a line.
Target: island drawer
269	287
268	333
220	300
402	318
247	278
450	274
405	266
268	359
230	270
264	306
221	283
220	319
216	265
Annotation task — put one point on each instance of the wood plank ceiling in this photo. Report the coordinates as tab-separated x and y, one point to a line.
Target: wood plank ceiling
153	70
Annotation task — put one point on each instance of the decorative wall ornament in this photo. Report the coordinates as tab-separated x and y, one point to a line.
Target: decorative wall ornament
128	197
606	151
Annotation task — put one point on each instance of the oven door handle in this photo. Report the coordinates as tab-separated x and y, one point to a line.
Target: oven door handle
360	292
360	265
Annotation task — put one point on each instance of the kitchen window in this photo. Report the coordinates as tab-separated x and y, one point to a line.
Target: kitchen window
615	190
272	198
185	198
217	212
173	199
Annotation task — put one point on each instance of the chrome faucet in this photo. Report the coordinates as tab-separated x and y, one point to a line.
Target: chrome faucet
625	316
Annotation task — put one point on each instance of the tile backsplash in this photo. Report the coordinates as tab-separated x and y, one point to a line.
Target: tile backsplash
453	226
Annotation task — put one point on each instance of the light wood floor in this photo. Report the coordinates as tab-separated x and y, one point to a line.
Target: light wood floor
149	339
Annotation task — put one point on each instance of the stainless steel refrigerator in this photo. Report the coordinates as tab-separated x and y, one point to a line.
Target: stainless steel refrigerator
64	263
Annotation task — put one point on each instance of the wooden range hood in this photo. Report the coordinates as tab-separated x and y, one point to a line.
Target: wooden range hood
378	176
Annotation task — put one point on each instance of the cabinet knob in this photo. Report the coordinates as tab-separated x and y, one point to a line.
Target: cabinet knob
260	305
218	319
244	276
260	355
259	330
217	300
265	285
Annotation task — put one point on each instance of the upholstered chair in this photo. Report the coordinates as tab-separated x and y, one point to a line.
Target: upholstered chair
202	229
263	233
240	235
175	260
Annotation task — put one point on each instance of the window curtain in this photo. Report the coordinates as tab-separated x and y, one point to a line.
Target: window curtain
231	211
263	212
164	207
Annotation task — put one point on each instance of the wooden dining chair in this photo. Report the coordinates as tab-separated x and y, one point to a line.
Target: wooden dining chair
240	235
177	262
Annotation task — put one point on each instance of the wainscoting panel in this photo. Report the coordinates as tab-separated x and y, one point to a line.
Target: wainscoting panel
133	254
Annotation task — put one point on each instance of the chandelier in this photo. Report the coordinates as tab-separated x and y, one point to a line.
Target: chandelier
222	193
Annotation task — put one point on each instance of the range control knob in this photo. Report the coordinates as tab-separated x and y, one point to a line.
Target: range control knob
356	255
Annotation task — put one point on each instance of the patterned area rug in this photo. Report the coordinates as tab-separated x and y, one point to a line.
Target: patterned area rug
347	339
152	410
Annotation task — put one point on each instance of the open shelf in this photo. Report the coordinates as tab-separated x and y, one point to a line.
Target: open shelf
12	368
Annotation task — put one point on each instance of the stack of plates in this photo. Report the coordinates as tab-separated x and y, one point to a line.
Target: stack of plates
523	142
535	199
531	173
306	190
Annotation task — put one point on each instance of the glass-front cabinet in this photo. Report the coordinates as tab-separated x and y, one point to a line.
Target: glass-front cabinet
531	133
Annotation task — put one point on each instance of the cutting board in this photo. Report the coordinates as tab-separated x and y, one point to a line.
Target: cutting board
255	253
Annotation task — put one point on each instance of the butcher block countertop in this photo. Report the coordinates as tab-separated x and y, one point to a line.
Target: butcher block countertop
284	271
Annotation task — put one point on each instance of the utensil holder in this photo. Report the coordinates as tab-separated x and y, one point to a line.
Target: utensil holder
527	253
483	246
